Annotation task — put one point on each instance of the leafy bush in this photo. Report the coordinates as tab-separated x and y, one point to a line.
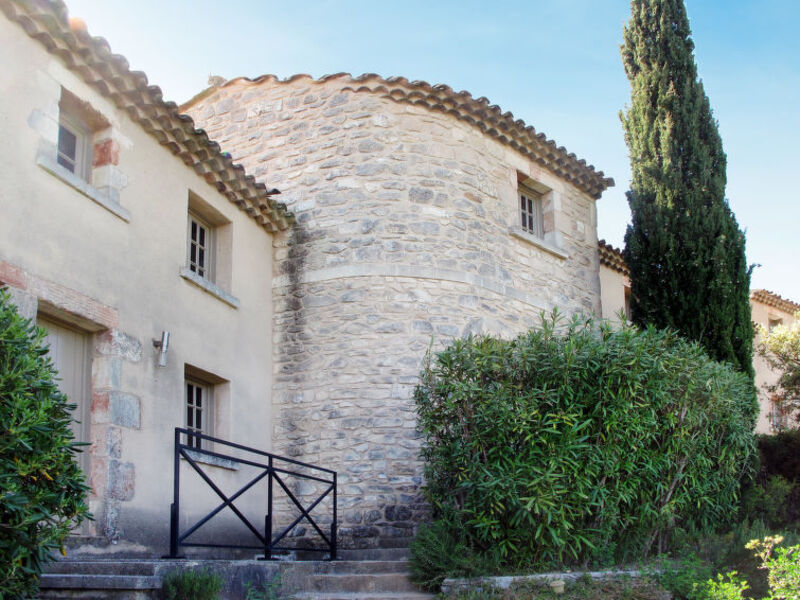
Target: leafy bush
774	495
567	440
783	565
42	486
440	549
780	454
683	578
191	585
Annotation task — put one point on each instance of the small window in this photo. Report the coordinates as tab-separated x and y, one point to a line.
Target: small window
199	412
200	251
531	217
74	145
774	322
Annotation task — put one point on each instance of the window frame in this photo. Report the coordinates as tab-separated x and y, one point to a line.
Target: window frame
530	207
82	162
206	412
209	250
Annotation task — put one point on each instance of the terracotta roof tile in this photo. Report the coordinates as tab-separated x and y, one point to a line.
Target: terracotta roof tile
611	257
489	118
774	300
91	58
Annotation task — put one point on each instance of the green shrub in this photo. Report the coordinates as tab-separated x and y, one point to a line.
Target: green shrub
780	454
783	565
440	549
684	578
42	486
724	587
568	440
191	585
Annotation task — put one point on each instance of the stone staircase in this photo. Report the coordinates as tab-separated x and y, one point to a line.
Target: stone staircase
361	575
380	574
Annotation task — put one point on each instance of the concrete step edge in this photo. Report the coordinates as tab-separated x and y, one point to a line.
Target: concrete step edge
99	582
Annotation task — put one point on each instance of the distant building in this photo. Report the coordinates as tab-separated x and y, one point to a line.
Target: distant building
768	309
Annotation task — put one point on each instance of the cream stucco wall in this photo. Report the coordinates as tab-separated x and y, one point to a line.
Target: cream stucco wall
407	236
612	292
765	376
119	279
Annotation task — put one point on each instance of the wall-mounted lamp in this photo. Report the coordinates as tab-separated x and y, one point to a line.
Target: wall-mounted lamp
163	347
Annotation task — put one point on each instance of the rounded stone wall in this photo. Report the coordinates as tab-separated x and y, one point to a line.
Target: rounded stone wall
406	236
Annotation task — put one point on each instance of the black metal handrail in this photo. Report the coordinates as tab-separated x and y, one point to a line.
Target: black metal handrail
268	470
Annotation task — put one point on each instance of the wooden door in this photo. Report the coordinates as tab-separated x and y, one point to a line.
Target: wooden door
70	352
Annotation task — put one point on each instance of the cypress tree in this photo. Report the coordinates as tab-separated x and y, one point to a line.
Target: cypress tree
684	248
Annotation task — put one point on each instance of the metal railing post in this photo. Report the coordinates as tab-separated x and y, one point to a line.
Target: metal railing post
174	508
333	523
268	523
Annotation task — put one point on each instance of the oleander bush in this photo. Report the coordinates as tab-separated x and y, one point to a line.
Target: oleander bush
580	443
41	486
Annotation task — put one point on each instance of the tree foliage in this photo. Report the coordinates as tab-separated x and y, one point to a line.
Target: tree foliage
42	487
582	443
781	348
684	247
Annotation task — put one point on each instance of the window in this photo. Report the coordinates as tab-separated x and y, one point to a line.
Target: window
74	146
83	152
209	240
531	217
774	322
199	412
200	251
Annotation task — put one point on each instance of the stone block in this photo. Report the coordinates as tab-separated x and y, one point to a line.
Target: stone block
121	480
125	410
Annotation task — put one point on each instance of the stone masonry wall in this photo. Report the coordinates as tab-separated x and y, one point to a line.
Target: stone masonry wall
404	239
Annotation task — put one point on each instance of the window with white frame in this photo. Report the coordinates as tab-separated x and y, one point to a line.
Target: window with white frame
200	249
531	216
74	145
199	411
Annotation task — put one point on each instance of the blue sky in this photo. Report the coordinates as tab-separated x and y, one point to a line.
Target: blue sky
553	63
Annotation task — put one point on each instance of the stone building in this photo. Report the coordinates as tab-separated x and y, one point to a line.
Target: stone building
768	309
119	221
422	214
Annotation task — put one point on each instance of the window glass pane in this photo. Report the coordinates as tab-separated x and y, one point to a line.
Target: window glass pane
67	148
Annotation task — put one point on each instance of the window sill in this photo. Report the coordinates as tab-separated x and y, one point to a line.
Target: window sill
214	461
539	243
82	186
209	287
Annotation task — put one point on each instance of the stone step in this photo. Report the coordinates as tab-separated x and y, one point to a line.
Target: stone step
360	566
101	567
98	582
364	596
375	554
376	582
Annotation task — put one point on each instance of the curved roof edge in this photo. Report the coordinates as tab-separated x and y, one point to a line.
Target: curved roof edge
109	74
774	300
489	118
